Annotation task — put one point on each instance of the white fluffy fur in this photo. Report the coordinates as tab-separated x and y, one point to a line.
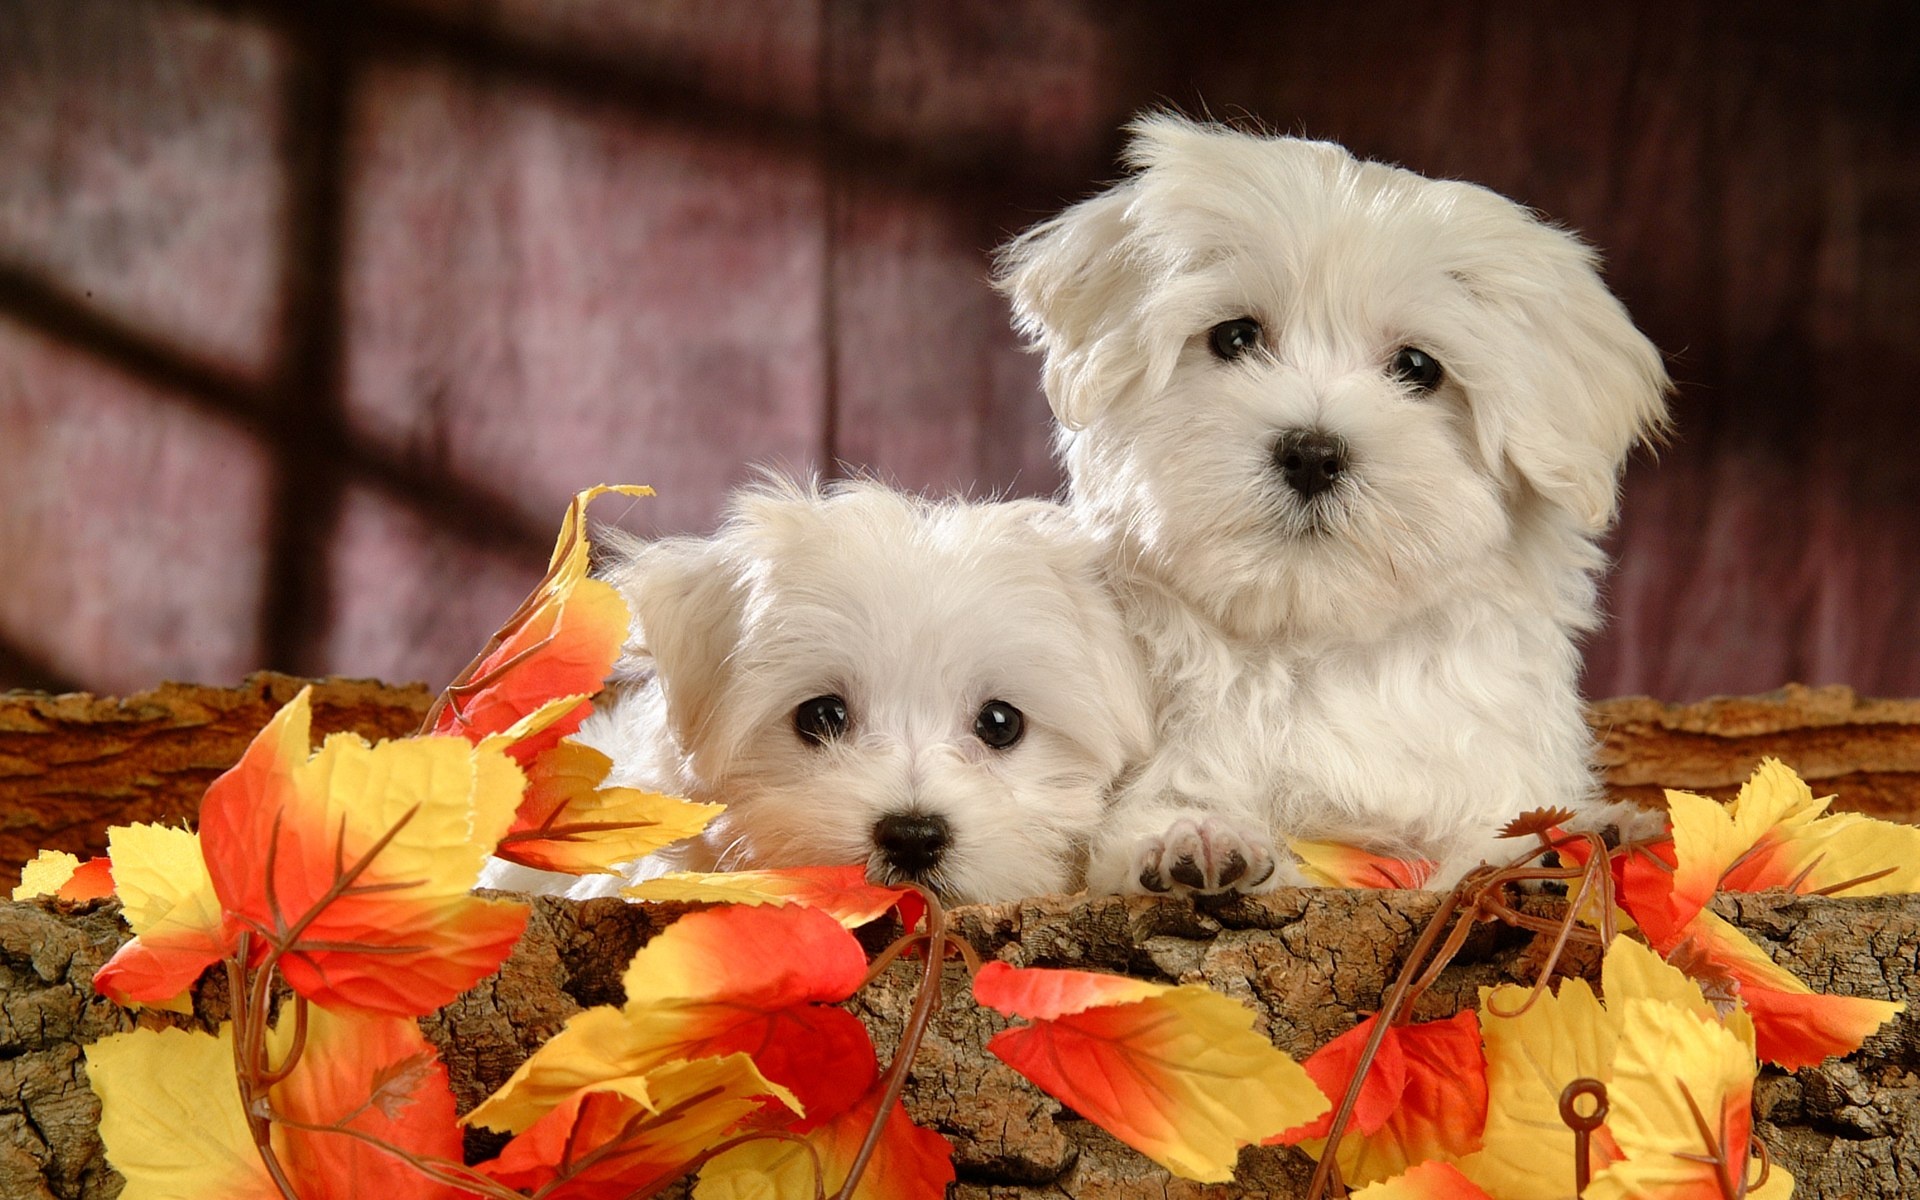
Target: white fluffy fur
917	613
1394	666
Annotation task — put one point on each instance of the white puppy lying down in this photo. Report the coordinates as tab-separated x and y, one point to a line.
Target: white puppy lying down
1350	434
942	691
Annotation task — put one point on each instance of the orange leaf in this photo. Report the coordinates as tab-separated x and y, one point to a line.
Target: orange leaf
1424	1097
1774	835
908	1163
842	892
1431	1180
373	1075
64	877
356	864
1673	1072
715	982
1334	864
562	644
168	900
568	822
1175	1072
172	1123
1794	1026
626	1135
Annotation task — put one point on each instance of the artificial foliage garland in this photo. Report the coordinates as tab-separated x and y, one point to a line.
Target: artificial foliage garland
346	873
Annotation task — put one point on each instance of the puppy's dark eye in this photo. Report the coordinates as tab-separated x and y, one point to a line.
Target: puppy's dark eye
1230	339
999	724
821	719
1416	368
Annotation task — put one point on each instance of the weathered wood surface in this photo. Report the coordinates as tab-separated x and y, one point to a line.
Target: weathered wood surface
72	765
1866	751
1307	962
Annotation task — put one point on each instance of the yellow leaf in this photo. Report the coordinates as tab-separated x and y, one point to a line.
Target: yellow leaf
908	1163
1336	864
842	892
638	1131
1774	834
1430	1180
1526	1150
161	878
732	978
568	822
370	853
1632	969
572	547
1672	1070
46	874
1179	1075
170	1116
167	898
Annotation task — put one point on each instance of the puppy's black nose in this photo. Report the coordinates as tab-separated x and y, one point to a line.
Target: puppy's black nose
912	842
1309	460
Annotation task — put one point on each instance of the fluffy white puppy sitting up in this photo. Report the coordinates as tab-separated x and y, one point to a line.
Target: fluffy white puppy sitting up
940	690
1350	434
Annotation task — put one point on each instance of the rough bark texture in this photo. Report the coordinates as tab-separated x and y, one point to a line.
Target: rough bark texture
72	765
1307	962
1867	751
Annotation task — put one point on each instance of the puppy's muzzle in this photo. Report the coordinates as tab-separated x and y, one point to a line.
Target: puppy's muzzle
912	843
1309	460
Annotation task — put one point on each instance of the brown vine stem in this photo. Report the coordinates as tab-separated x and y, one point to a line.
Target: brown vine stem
924	1004
248	1073
1324	1169
1477	897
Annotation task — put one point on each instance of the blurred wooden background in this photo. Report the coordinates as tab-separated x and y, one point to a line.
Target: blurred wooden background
312	315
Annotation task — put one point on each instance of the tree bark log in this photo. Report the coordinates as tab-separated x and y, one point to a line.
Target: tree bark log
70	766
1309	963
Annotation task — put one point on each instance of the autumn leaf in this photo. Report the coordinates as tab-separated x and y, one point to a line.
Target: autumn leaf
1794	1026
1773	827
1774	835
170	1116
1430	1180
559	647
841	892
64	877
1424	1097
168	900
717	982
1175	1072
1681	1092
568	822
376	1077
172	1123
908	1163
624	1135
1333	864
1526	1150
356	865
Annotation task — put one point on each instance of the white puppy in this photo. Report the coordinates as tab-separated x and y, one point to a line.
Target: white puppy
941	691
1350	434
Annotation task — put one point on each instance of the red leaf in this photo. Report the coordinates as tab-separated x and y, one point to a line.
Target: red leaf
1425	1096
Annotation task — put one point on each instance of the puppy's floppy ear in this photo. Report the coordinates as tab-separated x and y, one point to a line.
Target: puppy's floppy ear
686	621
1075	288
1578	386
1117	715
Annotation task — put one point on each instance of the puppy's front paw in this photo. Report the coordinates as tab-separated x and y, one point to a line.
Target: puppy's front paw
1208	855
